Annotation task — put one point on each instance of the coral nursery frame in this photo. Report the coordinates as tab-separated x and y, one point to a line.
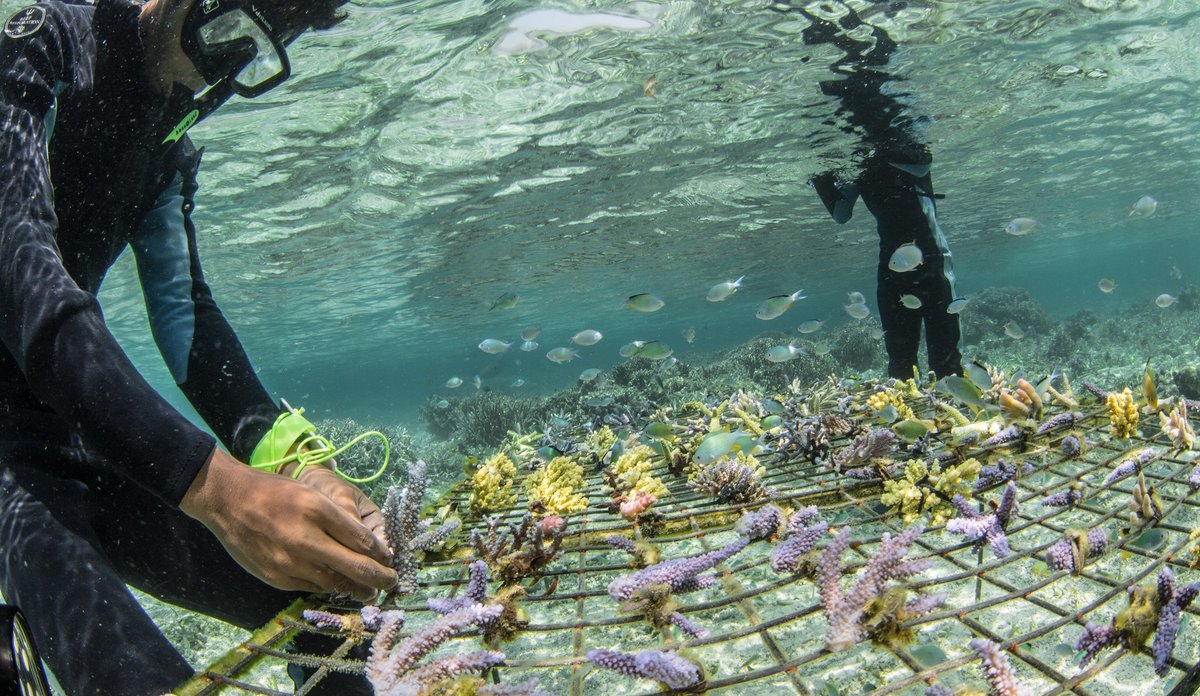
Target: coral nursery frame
767	629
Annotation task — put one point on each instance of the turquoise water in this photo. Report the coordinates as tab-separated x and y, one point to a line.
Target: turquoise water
357	223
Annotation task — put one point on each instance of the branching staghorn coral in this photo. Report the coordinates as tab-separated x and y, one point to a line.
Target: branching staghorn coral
804	530
669	669
885	616
1152	608
929	488
1076	547
1070	496
553	489
643	552
493	486
890	396
1023	402
520	552
679	574
392	667
476	592
979	528
1130	465
1122	413
1001	472
1066	419
998	671
407	535
736	479
845	612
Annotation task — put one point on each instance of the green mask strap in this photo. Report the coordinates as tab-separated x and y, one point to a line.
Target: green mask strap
290	429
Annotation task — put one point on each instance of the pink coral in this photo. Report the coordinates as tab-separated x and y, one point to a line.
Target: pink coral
635	504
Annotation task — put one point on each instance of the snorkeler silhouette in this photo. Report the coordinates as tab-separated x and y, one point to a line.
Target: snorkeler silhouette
895	184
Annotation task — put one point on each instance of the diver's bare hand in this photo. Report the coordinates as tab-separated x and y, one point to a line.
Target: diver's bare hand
286	533
325	481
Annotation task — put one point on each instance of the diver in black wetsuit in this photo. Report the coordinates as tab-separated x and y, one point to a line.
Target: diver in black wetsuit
896	186
102	482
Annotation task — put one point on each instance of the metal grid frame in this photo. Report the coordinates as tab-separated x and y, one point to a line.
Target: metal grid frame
775	620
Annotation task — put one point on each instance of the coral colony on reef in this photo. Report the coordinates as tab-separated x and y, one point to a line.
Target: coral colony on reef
761	544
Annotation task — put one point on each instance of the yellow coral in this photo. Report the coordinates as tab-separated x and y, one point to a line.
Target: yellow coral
929	489
890	397
492	486
1195	536
552	489
631	472
1122	414
600	441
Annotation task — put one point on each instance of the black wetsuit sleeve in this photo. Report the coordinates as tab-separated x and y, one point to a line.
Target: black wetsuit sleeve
53	328
199	346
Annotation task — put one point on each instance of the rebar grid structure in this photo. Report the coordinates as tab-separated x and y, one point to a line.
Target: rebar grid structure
767	629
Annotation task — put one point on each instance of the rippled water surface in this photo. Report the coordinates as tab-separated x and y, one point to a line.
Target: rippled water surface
358	222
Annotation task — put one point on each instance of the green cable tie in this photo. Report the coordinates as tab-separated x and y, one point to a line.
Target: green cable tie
292	428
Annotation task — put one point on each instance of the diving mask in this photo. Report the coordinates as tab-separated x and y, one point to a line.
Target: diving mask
238	41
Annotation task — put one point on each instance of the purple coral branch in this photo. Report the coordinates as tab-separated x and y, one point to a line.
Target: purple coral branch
406	534
389	663
978	527
1009	434
1095	638
423	678
997	669
1061	554
844	612
785	557
475	593
761	524
1062	420
1065	498
676	573
667	668
1173	602
687	626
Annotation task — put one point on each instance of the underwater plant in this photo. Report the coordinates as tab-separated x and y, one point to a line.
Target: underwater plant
929	488
997	669
845	612
407	535
1076	547
553	489
670	669
520	552
736	479
1122	413
493	486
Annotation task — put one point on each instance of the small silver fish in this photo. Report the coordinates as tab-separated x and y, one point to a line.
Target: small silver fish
1107	285
784	353
689	334
442	403
1014	331
877	333
590	374
453	383
720	291
906	258
910	301
773	307
494	345
531	333
810	326
506	301
519	382
1144	207
587	337
858	310
821	348
562	355
644	302
957	306
1021	226
631	349
529	346
477	382
1164	300
856	297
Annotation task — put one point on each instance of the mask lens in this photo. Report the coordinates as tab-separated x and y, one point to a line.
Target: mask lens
237	31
